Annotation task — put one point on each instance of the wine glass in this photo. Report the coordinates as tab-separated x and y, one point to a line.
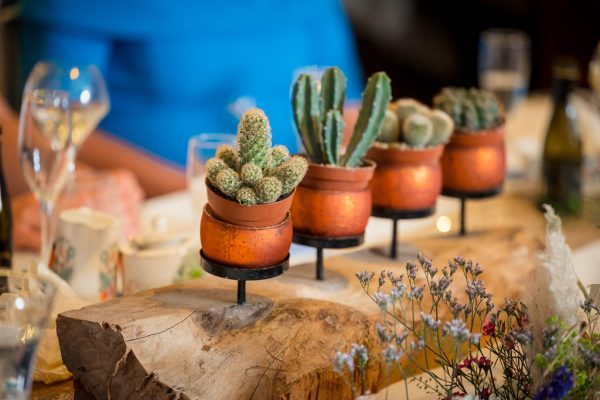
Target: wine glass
200	148
504	64
25	305
45	146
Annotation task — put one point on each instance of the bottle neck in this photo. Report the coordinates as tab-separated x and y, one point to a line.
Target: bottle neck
561	88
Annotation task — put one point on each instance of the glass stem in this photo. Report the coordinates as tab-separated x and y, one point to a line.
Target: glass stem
46	208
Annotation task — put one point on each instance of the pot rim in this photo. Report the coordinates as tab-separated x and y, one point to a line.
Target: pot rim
346	172
261	205
406	155
208	210
478	138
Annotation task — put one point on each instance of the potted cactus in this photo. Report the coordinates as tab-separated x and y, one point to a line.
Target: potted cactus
246	223
473	164
334	200
408	177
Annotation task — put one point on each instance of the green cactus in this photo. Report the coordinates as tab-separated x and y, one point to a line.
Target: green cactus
226	153
333	133
404	107
246	196
213	167
471	110
307	115
251	173
254	138
291	173
257	173
322	132
417	130
228	182
268	189
279	154
442	127
375	98
333	91
390	128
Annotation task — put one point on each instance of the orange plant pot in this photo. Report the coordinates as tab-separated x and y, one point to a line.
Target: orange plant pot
333	201
474	162
244	246
406	179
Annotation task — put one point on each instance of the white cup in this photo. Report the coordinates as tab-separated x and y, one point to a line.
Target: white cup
86	252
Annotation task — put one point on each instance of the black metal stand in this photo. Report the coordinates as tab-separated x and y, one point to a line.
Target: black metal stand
464	196
396	215
242	274
320	243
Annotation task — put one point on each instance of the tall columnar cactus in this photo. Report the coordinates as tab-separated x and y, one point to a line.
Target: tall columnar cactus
409	123
472	110
322	136
256	173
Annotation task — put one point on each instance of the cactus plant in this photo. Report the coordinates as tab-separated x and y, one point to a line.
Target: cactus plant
317	115
256	173
472	110
410	124
390	128
417	130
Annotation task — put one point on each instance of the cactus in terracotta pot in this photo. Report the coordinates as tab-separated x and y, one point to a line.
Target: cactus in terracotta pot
472	110
318	116
255	173
410	124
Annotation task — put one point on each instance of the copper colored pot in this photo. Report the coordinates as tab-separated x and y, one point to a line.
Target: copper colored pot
406	179
258	215
334	202
242	246
474	162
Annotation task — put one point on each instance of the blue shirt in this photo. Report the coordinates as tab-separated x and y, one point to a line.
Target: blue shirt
174	68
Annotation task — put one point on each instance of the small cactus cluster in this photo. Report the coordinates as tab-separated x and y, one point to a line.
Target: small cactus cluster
256	173
471	109
408	123
318	112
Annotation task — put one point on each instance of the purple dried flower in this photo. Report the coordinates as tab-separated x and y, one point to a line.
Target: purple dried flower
475	337
411	270
360	355
415	293
430	321
397	291
381	278
383	333
382	300
365	277
391	354
457	329
342	361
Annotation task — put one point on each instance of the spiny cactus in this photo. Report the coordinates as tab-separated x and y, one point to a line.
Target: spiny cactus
317	115
417	130
390	128
256	173
472	110
442	127
291	173
415	126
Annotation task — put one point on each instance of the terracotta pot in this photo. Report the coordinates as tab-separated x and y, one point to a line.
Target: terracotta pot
406	179
244	246
333	201
258	215
474	162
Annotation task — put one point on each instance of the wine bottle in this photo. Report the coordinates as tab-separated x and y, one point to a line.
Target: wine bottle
562	157
5	219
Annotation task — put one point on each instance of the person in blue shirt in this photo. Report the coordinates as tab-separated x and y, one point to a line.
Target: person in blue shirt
178	68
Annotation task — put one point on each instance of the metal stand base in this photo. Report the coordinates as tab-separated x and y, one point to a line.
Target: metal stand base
320	243
464	196
395	215
242	274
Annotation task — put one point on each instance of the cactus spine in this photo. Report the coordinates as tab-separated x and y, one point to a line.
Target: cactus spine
375	98
256	173
417	130
322	139
390	128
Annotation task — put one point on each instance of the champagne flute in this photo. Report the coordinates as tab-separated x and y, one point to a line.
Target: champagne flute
45	147
504	64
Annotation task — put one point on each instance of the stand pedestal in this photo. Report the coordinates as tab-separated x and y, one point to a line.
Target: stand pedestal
320	243
463	196
395	215
241	275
